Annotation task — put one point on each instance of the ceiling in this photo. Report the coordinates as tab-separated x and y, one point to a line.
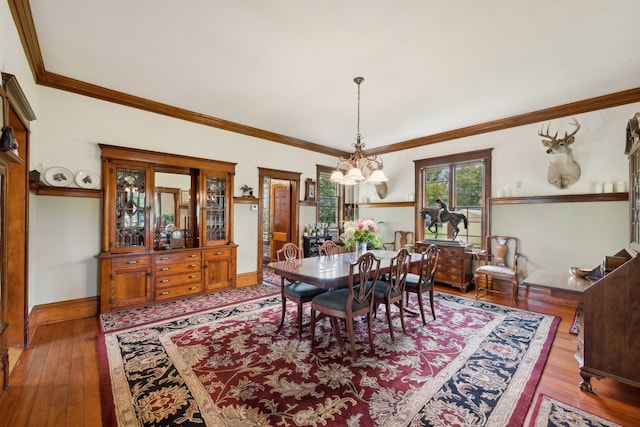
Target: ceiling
287	67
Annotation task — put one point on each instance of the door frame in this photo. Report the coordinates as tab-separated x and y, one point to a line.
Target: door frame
294	179
18	114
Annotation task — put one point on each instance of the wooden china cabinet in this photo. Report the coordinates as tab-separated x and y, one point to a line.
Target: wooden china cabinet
154	247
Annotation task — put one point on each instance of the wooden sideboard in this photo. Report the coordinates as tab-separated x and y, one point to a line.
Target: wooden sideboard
167	227
454	265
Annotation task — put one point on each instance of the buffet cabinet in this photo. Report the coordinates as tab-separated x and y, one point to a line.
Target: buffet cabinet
454	264
167	229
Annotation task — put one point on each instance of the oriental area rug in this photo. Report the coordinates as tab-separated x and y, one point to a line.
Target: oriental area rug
478	364
548	412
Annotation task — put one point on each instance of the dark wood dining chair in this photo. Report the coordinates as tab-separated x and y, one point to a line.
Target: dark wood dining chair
422	282
390	290
329	247
295	291
350	302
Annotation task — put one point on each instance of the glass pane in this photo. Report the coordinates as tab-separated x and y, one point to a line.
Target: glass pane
436	181
328	201
469	179
215	209
130	207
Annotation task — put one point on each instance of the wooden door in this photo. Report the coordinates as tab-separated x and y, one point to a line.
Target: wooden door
280	215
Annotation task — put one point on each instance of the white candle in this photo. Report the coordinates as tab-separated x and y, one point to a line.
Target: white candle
620	186
608	188
499	194
599	187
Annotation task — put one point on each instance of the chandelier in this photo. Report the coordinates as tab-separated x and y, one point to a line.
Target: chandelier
358	167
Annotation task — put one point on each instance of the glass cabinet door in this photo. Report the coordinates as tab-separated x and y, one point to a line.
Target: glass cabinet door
130	208
215	206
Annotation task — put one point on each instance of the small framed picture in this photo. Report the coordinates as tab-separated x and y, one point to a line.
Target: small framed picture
309	190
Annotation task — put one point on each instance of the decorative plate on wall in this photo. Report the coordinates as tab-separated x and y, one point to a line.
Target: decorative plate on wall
58	176
87	179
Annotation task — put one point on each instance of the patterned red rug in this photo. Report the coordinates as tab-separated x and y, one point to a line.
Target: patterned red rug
167	310
477	364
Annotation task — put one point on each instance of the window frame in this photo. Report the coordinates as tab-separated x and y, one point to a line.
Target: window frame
451	161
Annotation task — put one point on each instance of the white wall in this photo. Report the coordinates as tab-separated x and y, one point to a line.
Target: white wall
71	123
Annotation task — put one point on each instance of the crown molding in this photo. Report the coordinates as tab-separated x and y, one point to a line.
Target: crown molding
23	19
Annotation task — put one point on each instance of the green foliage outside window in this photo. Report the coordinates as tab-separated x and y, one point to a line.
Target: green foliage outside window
328	200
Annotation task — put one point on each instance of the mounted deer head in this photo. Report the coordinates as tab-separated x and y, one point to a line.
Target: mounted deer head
563	169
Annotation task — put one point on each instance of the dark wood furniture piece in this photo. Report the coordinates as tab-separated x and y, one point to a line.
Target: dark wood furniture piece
330	272
422	282
608	344
148	256
6	158
389	290
294	290
454	265
310	244
349	302
329	247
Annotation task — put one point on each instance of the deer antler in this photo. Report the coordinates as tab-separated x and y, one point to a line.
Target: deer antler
576	124
546	134
553	138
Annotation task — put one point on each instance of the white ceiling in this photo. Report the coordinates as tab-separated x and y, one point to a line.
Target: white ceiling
287	66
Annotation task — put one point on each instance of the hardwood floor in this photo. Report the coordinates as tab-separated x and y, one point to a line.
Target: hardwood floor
56	382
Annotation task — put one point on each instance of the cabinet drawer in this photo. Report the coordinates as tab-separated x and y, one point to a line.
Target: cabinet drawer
447	262
179	279
449	277
218	254
172	257
179	267
178	291
453	252
130	262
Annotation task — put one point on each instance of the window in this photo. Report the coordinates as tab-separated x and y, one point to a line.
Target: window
462	181
328	196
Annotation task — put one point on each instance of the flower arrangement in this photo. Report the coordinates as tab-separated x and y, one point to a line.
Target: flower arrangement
363	230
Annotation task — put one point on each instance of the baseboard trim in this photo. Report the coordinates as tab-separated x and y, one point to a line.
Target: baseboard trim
247	279
61	311
85	307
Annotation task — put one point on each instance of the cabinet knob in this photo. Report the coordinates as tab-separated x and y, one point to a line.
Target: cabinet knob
193	288
132	262
193	265
164	293
165	281
193	276
193	255
164	269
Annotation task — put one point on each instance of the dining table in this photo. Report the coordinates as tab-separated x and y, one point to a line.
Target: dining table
331	271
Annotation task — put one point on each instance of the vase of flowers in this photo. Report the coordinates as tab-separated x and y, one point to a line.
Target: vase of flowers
361	234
